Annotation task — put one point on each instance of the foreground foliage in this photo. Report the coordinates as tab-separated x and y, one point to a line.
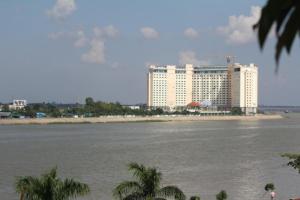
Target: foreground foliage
269	187
195	198
146	186
285	15
222	195
294	160
49	187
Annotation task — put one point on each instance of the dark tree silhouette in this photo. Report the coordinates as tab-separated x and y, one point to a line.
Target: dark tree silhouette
49	187
146	186
222	195
294	160
285	15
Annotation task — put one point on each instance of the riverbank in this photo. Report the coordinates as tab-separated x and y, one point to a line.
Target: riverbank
124	119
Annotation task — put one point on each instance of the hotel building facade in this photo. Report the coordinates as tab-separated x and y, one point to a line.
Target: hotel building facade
174	88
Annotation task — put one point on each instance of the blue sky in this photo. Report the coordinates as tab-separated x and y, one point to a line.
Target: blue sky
66	50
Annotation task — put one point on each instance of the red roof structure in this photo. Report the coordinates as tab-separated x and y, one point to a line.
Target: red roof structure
194	104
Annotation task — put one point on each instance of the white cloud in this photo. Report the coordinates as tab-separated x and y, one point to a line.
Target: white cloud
189	57
111	31
108	31
96	54
98	32
81	39
95	43
149	33
239	29
62	9
191	33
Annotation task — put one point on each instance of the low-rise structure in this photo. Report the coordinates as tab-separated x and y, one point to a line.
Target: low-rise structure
18	104
5	115
132	107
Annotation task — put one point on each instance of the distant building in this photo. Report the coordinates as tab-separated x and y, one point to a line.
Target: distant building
5	115
244	87
132	107
18	104
173	88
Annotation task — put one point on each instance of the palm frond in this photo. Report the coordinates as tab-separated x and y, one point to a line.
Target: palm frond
134	196
151	181
155	176
49	187
72	188
139	171
195	198
222	195
147	186
171	191
23	183
29	187
285	15
125	188
51	173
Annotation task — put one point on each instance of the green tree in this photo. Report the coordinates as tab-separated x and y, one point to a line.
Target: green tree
159	111
222	195
269	187
146	186
285	14
294	160
49	187
89	101
28	111
5	108
195	198
236	111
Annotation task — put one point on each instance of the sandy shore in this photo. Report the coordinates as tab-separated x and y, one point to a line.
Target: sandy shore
121	119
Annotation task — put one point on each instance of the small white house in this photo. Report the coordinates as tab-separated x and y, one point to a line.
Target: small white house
18	104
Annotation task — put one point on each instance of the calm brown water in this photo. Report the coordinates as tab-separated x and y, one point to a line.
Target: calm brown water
200	157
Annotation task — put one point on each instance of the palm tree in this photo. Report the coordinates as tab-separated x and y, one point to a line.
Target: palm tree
146	186
49	187
221	195
195	198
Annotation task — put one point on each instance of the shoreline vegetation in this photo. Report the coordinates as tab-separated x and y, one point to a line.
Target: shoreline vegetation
97	109
145	184
131	118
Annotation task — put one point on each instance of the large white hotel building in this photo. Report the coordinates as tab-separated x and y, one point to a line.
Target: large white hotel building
173	88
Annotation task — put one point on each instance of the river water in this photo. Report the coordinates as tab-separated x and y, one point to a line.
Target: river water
201	158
